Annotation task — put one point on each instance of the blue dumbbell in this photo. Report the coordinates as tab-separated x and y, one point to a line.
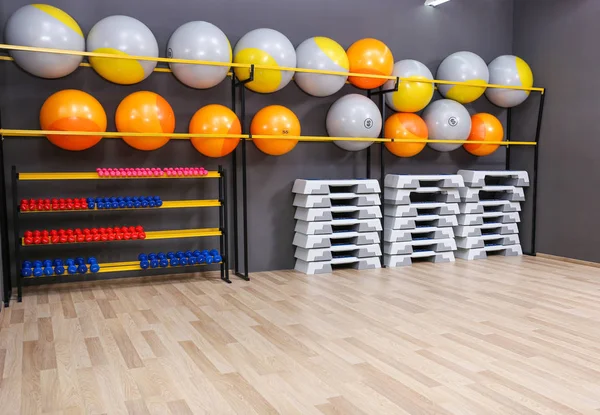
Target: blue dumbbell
70	262
26	264
100	205
127	198
59	270
37	272
91	206
205	252
142	257
208	259
213	252
26	272
196	253
137	205
37	264
92	260
129	204
57	262
79	260
154	263
82	269
156	198
183	261
163	263
170	255
106	200
161	255
174	262
90	200
179	254
99	199
151	256
158	203
201	259
151	204
192	260
217	258
72	269
115	205
94	268
47	263
120	199
122	204
48	271
188	253
144	204
136	199
113	199
144	264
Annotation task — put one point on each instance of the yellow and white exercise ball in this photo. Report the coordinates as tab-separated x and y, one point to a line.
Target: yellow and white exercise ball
509	70
265	47
321	53
354	115
125	36
463	67
44	26
411	96
199	41
447	120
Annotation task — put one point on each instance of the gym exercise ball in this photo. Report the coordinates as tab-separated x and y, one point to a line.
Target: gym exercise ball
125	36
447	120
44	26
370	56
215	119
265	47
405	126
275	120
484	127
145	112
199	41
411	96
509	70
321	53
354	115
73	110
463	67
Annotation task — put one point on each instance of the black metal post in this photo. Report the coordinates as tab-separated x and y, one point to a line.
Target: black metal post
221	224
535	172
15	195
234	187
225	251
508	136
4	241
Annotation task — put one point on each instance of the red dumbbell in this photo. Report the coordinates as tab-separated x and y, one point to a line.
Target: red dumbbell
102	230
69	200
104	237
70	232
126	236
70	206
94	231
37	240
27	241
78	231
63	239
96	237
54	200
124	229
37	233
139	228
119	236
45	240
55	239
24	208
111	236
28	234
45	232
86	231
142	235
54	206
77	206
89	238
53	232
84	205
134	235
109	230
131	229
80	238
47	201
71	238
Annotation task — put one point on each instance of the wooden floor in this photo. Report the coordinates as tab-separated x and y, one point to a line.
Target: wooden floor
497	336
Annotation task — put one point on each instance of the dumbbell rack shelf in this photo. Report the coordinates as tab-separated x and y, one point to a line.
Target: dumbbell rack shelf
126	266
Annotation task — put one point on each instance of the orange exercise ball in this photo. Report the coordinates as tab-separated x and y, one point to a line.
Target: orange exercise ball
275	120
215	119
405	126
145	112
73	110
369	56
484	127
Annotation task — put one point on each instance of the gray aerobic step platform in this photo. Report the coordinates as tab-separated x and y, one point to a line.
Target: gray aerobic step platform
325	267
416	209
489	206
338	199
477	178
472	242
489	217
425	233
481	253
408	196
325	241
406	181
405	248
510	193
327	227
325	214
393	261
326	254
428	220
325	187
488	228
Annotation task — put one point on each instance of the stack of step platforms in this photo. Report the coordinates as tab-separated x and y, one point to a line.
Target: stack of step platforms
419	215
337	223
489	213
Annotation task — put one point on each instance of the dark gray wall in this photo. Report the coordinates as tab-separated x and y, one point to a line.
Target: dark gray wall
410	29
559	41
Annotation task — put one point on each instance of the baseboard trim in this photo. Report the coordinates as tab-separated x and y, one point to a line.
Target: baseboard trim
571	260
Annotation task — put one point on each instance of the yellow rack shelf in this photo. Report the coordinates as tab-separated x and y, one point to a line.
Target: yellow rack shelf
257	66
154	235
169	204
95	176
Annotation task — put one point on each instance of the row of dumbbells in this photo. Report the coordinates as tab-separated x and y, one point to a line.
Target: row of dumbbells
179	258
151	172
121	202
49	268
63	236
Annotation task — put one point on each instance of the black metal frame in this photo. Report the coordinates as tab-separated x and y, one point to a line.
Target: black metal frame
6	262
223	244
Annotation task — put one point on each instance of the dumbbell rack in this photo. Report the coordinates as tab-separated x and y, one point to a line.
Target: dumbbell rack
489	213
419	214
128	266
337	223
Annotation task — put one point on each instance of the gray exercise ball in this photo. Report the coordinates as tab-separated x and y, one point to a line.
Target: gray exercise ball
447	120
354	115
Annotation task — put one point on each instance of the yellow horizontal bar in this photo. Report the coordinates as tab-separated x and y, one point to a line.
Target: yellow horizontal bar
387	140
112	134
94	176
168	204
258	66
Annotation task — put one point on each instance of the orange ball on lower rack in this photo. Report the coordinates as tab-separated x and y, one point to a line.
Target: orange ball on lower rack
275	120
145	112
73	110
215	119
405	126
484	127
